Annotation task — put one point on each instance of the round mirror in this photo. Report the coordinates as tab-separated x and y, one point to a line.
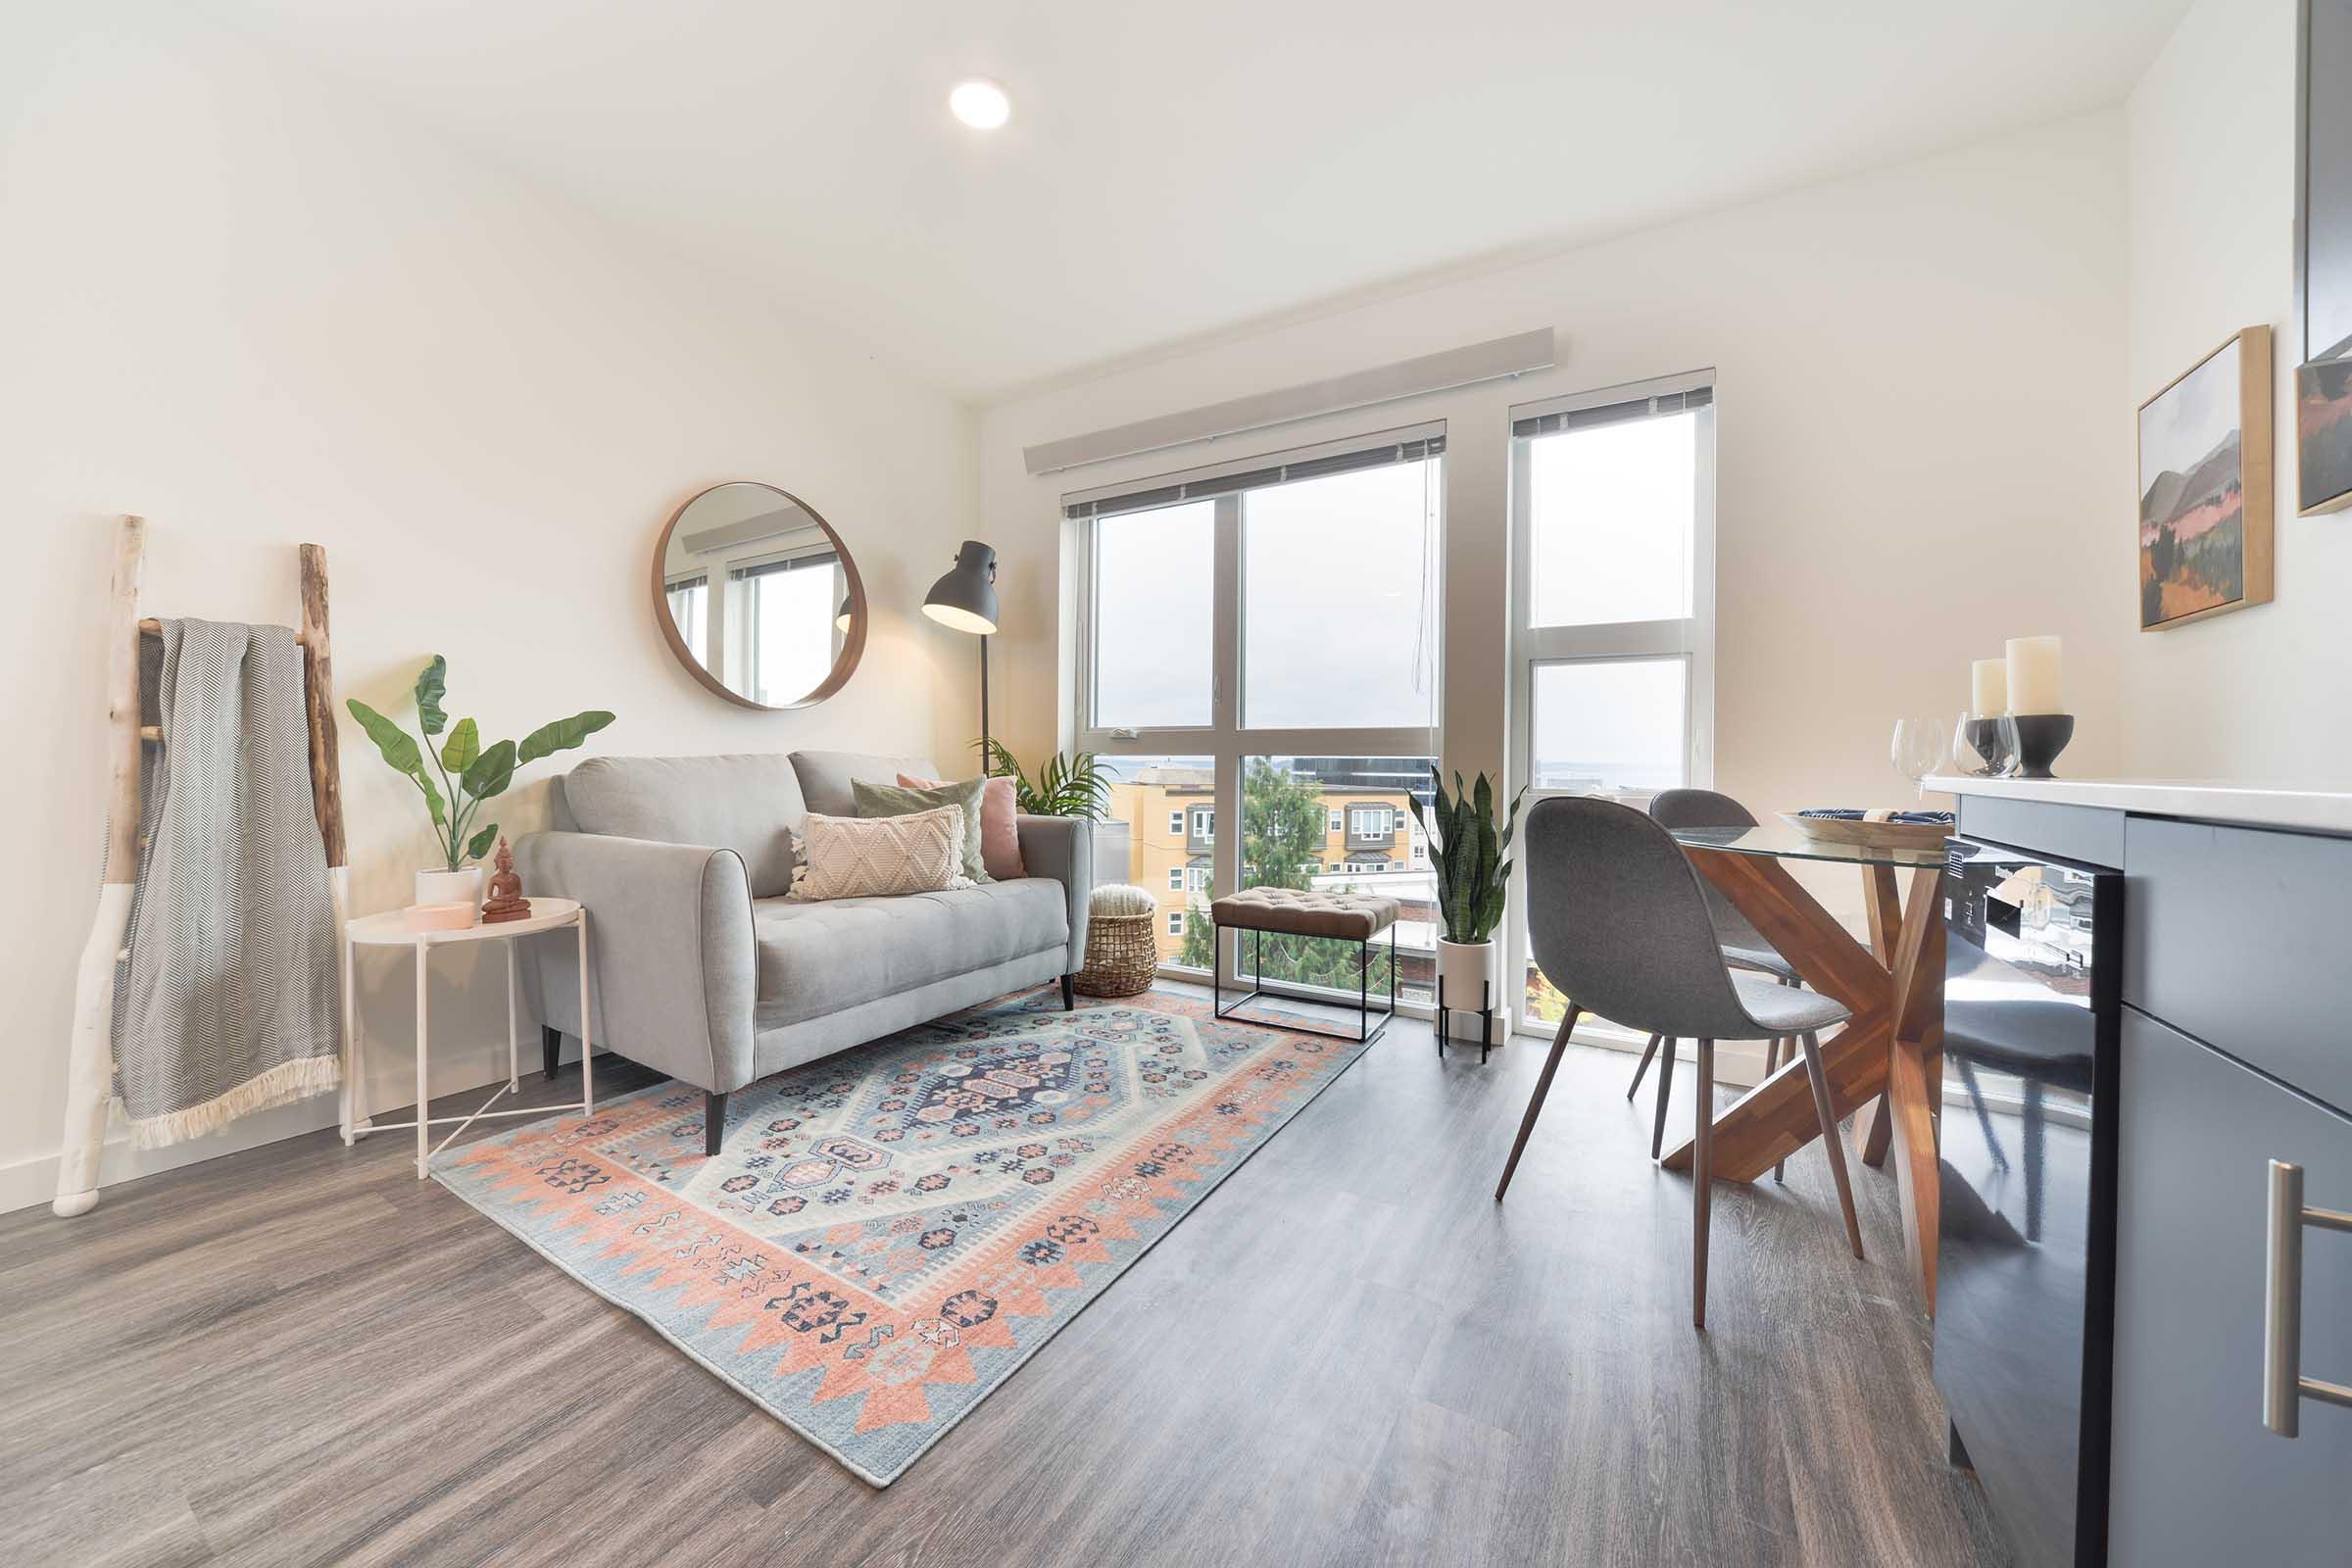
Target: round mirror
756	595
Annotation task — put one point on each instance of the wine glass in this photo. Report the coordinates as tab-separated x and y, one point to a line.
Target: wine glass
1918	749
1986	747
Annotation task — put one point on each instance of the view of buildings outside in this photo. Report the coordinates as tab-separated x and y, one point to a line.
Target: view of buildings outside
1341	823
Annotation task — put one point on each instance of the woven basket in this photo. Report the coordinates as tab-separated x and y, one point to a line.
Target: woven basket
1122	950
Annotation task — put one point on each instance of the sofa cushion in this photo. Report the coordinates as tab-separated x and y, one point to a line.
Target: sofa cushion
826	776
820	957
748	804
900	800
883	856
1000	824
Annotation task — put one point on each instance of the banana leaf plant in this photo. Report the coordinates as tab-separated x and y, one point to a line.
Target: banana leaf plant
1468	851
1077	786
469	773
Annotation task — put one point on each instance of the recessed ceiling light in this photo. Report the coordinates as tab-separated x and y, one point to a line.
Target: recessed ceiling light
980	103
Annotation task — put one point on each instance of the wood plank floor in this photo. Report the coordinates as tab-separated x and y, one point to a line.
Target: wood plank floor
1348	1354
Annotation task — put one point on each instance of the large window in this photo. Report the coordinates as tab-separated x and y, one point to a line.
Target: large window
1613	526
1273	620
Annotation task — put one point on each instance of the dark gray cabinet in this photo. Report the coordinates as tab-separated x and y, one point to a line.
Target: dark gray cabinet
2197	1480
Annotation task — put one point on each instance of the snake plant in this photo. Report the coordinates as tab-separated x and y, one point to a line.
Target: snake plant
471	771
1467	850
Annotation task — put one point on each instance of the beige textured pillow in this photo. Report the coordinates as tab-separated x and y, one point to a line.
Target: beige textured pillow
880	857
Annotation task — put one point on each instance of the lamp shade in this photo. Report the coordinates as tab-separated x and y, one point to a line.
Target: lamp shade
966	597
842	616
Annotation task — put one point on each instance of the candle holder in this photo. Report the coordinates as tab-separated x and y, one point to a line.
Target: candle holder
2041	737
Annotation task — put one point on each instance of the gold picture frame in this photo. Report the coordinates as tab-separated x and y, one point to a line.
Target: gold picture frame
2206	523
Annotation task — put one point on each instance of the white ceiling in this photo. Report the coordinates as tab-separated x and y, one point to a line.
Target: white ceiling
1177	168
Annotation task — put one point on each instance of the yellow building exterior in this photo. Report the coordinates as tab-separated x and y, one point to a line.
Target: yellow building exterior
1171	816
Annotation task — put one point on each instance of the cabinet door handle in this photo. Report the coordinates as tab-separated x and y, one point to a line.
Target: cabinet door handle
2283	1385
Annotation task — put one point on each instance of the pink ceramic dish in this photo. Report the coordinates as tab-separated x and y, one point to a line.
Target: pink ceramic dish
441	916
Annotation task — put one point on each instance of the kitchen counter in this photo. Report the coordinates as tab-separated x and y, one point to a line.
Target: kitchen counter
2219	1068
2308	811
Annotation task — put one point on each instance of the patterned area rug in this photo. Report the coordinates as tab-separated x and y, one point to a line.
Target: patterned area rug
890	1233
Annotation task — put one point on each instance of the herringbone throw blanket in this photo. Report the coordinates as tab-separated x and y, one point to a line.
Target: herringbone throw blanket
227	1002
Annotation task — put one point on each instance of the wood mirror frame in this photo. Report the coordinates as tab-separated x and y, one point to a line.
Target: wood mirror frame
852	641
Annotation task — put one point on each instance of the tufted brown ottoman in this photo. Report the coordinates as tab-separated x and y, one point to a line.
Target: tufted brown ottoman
1287	911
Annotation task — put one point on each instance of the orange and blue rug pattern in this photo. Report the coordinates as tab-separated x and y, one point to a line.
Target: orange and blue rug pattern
889	1233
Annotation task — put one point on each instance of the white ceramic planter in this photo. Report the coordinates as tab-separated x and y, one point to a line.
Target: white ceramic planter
1465	966
451	887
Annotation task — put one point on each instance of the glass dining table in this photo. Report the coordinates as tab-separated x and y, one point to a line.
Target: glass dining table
1885	1064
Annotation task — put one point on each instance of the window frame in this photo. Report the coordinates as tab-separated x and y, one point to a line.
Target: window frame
1690	638
1227	740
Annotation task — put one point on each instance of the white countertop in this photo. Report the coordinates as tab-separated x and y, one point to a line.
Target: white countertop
2205	799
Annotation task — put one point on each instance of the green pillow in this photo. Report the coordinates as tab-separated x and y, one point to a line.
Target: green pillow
896	800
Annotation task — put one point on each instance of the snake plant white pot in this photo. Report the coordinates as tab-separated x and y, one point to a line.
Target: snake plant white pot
451	887
1464	968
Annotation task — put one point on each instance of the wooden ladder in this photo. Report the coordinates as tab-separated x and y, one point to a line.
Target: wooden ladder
89	1083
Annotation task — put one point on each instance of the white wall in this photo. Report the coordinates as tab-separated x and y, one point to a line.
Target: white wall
1918	374
238	301
2259	695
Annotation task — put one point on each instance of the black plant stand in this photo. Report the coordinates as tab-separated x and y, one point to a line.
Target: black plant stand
1486	1019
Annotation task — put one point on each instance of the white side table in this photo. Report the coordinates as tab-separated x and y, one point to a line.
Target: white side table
391	930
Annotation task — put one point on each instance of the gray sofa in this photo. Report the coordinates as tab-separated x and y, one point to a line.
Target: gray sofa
701	969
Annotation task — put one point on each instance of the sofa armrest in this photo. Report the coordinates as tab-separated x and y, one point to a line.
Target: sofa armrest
1064	849
672	957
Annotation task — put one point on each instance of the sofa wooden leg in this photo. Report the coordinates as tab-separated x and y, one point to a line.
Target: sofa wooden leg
550	1048
715	1123
1069	998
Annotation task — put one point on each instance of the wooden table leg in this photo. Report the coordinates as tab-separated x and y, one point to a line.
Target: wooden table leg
1777	1117
1915	1076
1893	1047
1883	902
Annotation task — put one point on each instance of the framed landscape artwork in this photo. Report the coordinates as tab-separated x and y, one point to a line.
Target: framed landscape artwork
2322	345
2205	487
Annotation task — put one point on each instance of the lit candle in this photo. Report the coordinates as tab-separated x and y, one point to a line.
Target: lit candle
1988	687
2034	665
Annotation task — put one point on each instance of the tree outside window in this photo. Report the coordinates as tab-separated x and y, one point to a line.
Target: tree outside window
1283	827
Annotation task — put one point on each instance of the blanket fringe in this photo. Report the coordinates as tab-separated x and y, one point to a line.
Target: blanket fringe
286	1082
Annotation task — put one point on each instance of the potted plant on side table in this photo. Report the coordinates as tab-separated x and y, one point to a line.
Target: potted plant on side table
468	773
1468	851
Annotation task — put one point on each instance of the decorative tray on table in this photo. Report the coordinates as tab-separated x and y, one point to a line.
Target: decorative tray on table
1878	830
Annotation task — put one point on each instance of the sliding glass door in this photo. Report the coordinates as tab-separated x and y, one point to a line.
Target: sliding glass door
1257	649
1613	613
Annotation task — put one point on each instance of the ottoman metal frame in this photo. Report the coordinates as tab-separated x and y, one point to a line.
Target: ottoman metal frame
1366	1030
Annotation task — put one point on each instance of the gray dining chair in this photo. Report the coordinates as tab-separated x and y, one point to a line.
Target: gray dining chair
1617	920
1743	945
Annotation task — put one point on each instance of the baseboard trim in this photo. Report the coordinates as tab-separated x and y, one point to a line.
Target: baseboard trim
32	1181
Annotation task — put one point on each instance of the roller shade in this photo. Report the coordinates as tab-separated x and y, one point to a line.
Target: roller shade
1614	412
1167	494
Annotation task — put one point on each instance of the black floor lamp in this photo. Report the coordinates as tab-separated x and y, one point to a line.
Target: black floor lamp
966	599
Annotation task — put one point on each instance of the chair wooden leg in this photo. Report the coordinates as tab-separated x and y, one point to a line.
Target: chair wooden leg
1703	1178
715	1123
1658	1134
550	1048
1534	1102
1832	1140
1648	1051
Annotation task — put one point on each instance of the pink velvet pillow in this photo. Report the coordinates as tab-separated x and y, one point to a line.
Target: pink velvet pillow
1000	831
